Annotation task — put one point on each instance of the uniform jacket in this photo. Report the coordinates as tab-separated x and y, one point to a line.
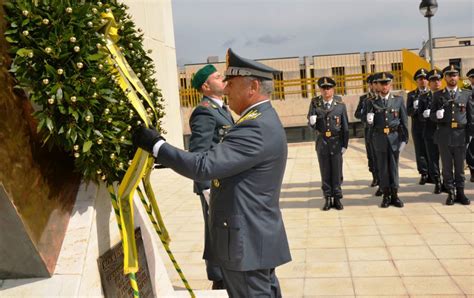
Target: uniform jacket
331	125
392	116
209	123
459	111
361	110
426	102
246	169
416	115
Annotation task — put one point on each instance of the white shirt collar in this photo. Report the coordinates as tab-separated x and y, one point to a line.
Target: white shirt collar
329	102
386	97
423	90
253	106
220	102
455	89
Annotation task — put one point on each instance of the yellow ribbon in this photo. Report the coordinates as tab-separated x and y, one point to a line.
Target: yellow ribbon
128	82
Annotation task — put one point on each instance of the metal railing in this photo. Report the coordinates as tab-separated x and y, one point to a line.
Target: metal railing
306	88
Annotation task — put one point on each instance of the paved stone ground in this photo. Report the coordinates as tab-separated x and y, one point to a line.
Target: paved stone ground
424	249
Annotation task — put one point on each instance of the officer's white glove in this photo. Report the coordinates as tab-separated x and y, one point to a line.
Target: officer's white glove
343	150
207	195
402	146
426	113
440	114
415	104
370	118
312	119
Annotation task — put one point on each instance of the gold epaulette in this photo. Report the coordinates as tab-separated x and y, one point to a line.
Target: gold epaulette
253	114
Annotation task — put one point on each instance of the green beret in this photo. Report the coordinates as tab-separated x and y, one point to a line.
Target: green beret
201	76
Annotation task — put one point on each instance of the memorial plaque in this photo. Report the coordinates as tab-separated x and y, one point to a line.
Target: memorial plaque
114	282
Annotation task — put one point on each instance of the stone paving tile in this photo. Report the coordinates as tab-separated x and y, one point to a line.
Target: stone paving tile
422	250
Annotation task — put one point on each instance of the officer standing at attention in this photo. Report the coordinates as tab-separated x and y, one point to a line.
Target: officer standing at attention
247	234
328	116
424	106
209	122
470	148
388	116
361	114
418	122
453	111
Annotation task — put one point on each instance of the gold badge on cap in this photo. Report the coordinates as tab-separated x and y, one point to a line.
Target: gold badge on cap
384	77
325	80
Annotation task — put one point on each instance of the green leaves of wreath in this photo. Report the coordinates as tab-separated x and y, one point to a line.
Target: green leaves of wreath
58	59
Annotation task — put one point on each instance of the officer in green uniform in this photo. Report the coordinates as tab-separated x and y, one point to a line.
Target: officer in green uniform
327	115
418	122
361	114
425	102
388	116
209	123
453	112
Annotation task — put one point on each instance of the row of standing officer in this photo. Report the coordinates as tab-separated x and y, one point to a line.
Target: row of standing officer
431	134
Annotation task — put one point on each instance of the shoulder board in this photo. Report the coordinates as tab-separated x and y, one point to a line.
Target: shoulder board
253	114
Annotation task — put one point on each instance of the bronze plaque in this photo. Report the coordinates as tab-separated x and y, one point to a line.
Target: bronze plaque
114	282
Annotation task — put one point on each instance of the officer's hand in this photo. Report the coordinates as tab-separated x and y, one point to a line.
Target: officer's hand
415	104
402	146
343	150
312	119
440	114
370	118
426	113
146	138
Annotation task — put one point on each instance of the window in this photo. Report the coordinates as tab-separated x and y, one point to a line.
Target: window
338	76
304	86
464	42
279	92
313	83
372	68
397	69
364	84
183	83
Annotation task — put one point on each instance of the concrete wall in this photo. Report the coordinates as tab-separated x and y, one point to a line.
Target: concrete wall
156	20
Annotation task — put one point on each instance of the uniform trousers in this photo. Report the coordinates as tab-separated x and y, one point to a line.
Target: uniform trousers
369	148
387	164
420	151
213	271
432	157
470	155
249	284
452	156
330	166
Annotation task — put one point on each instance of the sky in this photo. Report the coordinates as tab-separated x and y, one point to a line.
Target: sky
288	28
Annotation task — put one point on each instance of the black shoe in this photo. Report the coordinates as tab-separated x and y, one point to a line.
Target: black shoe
461	197
327	204
379	192
437	189
337	204
395	200
423	179
444	188
218	285
450	199
375	181
385	201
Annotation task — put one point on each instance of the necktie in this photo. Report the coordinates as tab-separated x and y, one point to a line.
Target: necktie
327	106
452	93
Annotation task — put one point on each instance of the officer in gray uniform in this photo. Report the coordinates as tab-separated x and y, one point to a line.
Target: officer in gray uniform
247	234
388	116
470	148
453	111
418	122
327	115
209	122
424	107
361	114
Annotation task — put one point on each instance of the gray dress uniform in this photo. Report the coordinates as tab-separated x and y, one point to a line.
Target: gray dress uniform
389	131
426	102
361	113
332	135
417	128
209	123
451	135
246	226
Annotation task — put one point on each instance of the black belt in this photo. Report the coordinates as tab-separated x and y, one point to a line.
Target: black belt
384	129
450	125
